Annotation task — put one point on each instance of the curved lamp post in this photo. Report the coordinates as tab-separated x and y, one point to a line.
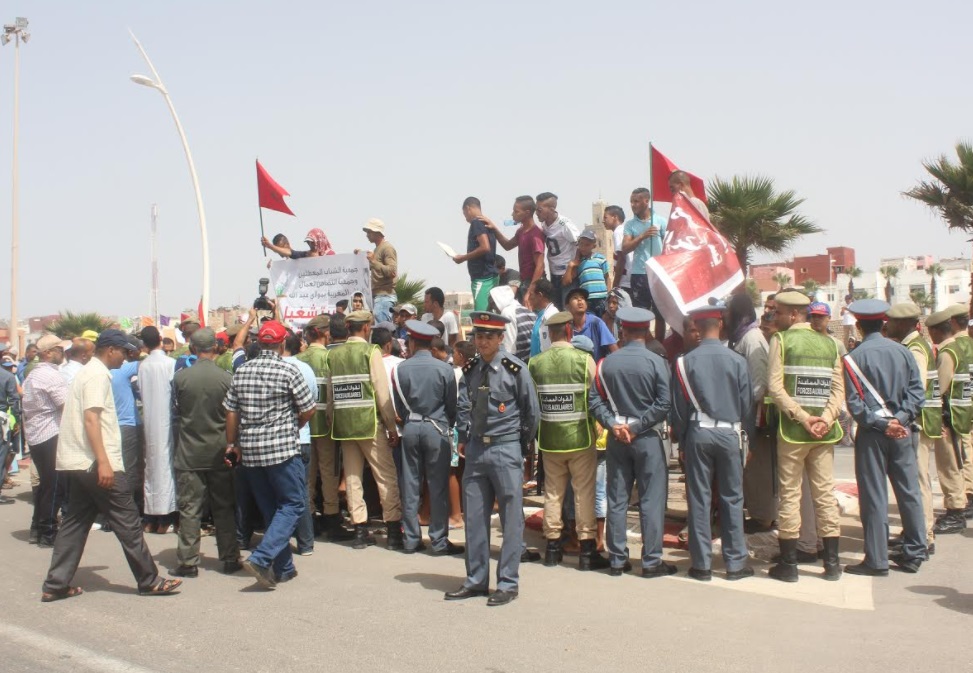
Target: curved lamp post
157	84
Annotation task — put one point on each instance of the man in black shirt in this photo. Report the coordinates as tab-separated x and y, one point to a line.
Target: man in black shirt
480	257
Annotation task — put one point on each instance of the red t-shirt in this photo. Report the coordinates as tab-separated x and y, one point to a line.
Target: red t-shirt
529	243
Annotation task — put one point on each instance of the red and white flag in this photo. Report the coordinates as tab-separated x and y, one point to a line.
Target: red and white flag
662	168
696	263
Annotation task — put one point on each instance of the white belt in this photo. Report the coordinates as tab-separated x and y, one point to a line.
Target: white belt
625	420
705	421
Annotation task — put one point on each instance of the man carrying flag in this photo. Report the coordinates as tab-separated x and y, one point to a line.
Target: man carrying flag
643	235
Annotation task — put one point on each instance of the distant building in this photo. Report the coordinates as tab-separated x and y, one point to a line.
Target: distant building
764	276
823	269
458	301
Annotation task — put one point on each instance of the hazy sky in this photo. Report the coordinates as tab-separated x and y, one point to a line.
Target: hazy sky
400	110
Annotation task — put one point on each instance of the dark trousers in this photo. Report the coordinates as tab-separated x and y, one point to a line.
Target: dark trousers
87	500
246	508
44	457
425	454
133	457
643	463
281	494
193	490
642	298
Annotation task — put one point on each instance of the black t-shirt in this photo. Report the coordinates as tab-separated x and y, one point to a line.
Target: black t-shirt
485	265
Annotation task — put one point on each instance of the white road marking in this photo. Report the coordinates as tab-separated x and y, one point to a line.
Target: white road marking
72	655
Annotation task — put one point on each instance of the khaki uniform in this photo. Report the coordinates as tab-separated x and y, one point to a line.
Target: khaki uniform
955	480
794	459
927	445
376	451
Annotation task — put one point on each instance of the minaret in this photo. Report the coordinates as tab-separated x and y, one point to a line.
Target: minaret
605	244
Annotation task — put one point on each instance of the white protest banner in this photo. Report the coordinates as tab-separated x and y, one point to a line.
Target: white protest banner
313	285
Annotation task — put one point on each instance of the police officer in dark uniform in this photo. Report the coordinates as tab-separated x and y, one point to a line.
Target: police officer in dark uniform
710	400
884	393
630	397
424	393
502	414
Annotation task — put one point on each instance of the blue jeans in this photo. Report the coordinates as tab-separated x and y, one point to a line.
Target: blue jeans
601	493
305	526
281	494
382	305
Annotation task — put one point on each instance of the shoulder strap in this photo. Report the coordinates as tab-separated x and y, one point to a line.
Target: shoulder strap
684	382
603	388
398	389
854	372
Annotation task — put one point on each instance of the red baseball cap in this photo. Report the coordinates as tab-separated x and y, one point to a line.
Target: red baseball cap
272	332
222	336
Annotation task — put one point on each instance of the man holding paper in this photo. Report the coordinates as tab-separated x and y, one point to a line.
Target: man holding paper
480	257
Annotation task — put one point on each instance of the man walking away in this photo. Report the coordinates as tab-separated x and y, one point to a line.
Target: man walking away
267	402
89	454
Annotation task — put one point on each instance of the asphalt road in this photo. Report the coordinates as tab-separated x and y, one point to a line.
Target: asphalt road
379	610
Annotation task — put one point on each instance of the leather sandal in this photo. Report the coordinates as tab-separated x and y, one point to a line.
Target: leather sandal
163	587
70	592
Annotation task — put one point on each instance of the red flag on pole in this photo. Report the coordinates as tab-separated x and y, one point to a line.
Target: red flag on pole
696	263
270	194
662	168
199	312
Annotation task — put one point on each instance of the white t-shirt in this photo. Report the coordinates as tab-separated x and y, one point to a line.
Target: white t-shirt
562	244
448	320
847	317
617	237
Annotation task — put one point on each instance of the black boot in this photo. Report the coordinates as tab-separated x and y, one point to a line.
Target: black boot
590	559
362	537
394	532
832	567
786	568
953	521
335	530
553	554
968	511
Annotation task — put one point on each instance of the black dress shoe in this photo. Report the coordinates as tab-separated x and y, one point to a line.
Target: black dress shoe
186	571
4	500
501	598
618	572
663	569
909	565
701	575
463	593
931	548
529	556
867	571
34	537
953	521
45	543
449	550
230	567
742	573
418	547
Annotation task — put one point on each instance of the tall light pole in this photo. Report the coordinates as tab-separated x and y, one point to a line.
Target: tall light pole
15	32
157	84
154	297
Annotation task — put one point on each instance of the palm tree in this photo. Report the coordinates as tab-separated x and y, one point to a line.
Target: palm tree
782	280
950	192
934	271
889	272
409	291
72	325
853	273
811	287
753	291
920	298
754	216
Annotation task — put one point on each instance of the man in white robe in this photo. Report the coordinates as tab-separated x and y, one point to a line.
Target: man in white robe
155	385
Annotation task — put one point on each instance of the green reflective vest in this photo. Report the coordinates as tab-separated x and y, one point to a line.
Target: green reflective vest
809	360
225	361
354	415
316	357
561	378
931	418
960	402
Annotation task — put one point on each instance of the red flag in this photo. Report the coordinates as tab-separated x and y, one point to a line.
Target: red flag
696	263
199	312
269	193
662	168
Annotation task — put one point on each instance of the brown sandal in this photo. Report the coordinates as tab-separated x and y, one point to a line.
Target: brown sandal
70	592
163	587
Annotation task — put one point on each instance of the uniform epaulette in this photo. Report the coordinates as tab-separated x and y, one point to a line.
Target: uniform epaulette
511	365
472	363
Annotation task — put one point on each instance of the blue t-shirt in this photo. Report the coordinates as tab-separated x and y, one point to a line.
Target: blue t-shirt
648	248
596	330
304	434
483	266
124	393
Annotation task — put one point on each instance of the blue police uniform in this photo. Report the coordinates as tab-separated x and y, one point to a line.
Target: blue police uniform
882	383
632	388
501	413
425	397
712	405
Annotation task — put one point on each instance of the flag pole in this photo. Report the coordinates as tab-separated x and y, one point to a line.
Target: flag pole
259	209
651	188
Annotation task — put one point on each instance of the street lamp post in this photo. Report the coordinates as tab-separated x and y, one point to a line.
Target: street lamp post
157	84
15	32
